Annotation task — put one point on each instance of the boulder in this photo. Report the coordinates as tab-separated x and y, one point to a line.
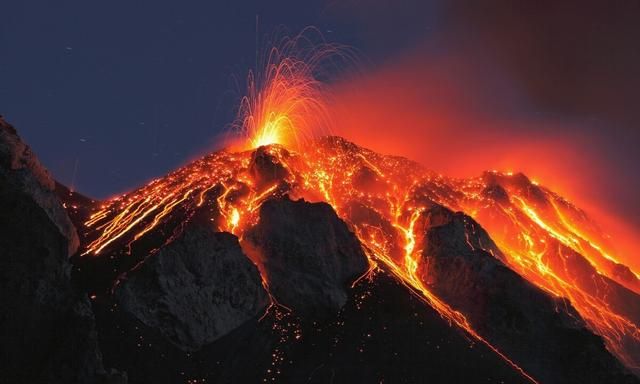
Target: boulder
307	254
47	327
195	289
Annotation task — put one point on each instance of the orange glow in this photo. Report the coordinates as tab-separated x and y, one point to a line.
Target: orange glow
540	235
284	107
556	246
437	109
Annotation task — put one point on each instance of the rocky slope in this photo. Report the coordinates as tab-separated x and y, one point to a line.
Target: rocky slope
195	290
308	255
374	331
47	327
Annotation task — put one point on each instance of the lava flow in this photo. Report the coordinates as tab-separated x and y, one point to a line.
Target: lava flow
541	236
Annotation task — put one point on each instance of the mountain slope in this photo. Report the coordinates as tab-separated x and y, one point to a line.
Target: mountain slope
47	328
384	201
328	264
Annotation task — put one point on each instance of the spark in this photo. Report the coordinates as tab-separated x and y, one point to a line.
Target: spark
285	102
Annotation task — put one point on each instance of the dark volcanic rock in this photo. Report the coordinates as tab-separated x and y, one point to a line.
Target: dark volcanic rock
196	289
20	169
545	336
47	328
78	206
74	356
307	253
265	167
382	334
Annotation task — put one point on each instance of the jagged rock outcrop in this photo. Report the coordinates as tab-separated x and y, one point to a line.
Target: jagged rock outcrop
20	169
265	167
544	335
195	289
47	328
307	253
78	206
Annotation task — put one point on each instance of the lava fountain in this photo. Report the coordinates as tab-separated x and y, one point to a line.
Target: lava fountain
285	100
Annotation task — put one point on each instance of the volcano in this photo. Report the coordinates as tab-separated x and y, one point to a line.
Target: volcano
324	263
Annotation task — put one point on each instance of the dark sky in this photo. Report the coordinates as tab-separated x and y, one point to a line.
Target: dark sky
129	89
112	93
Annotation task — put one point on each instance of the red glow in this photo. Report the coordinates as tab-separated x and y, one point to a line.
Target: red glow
435	110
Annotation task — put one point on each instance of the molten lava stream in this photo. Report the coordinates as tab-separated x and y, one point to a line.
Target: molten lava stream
331	175
528	258
532	228
406	274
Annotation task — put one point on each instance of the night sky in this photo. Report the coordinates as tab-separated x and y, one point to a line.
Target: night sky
112	94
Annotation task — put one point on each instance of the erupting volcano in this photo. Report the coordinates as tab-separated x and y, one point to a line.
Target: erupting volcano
277	249
391	204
